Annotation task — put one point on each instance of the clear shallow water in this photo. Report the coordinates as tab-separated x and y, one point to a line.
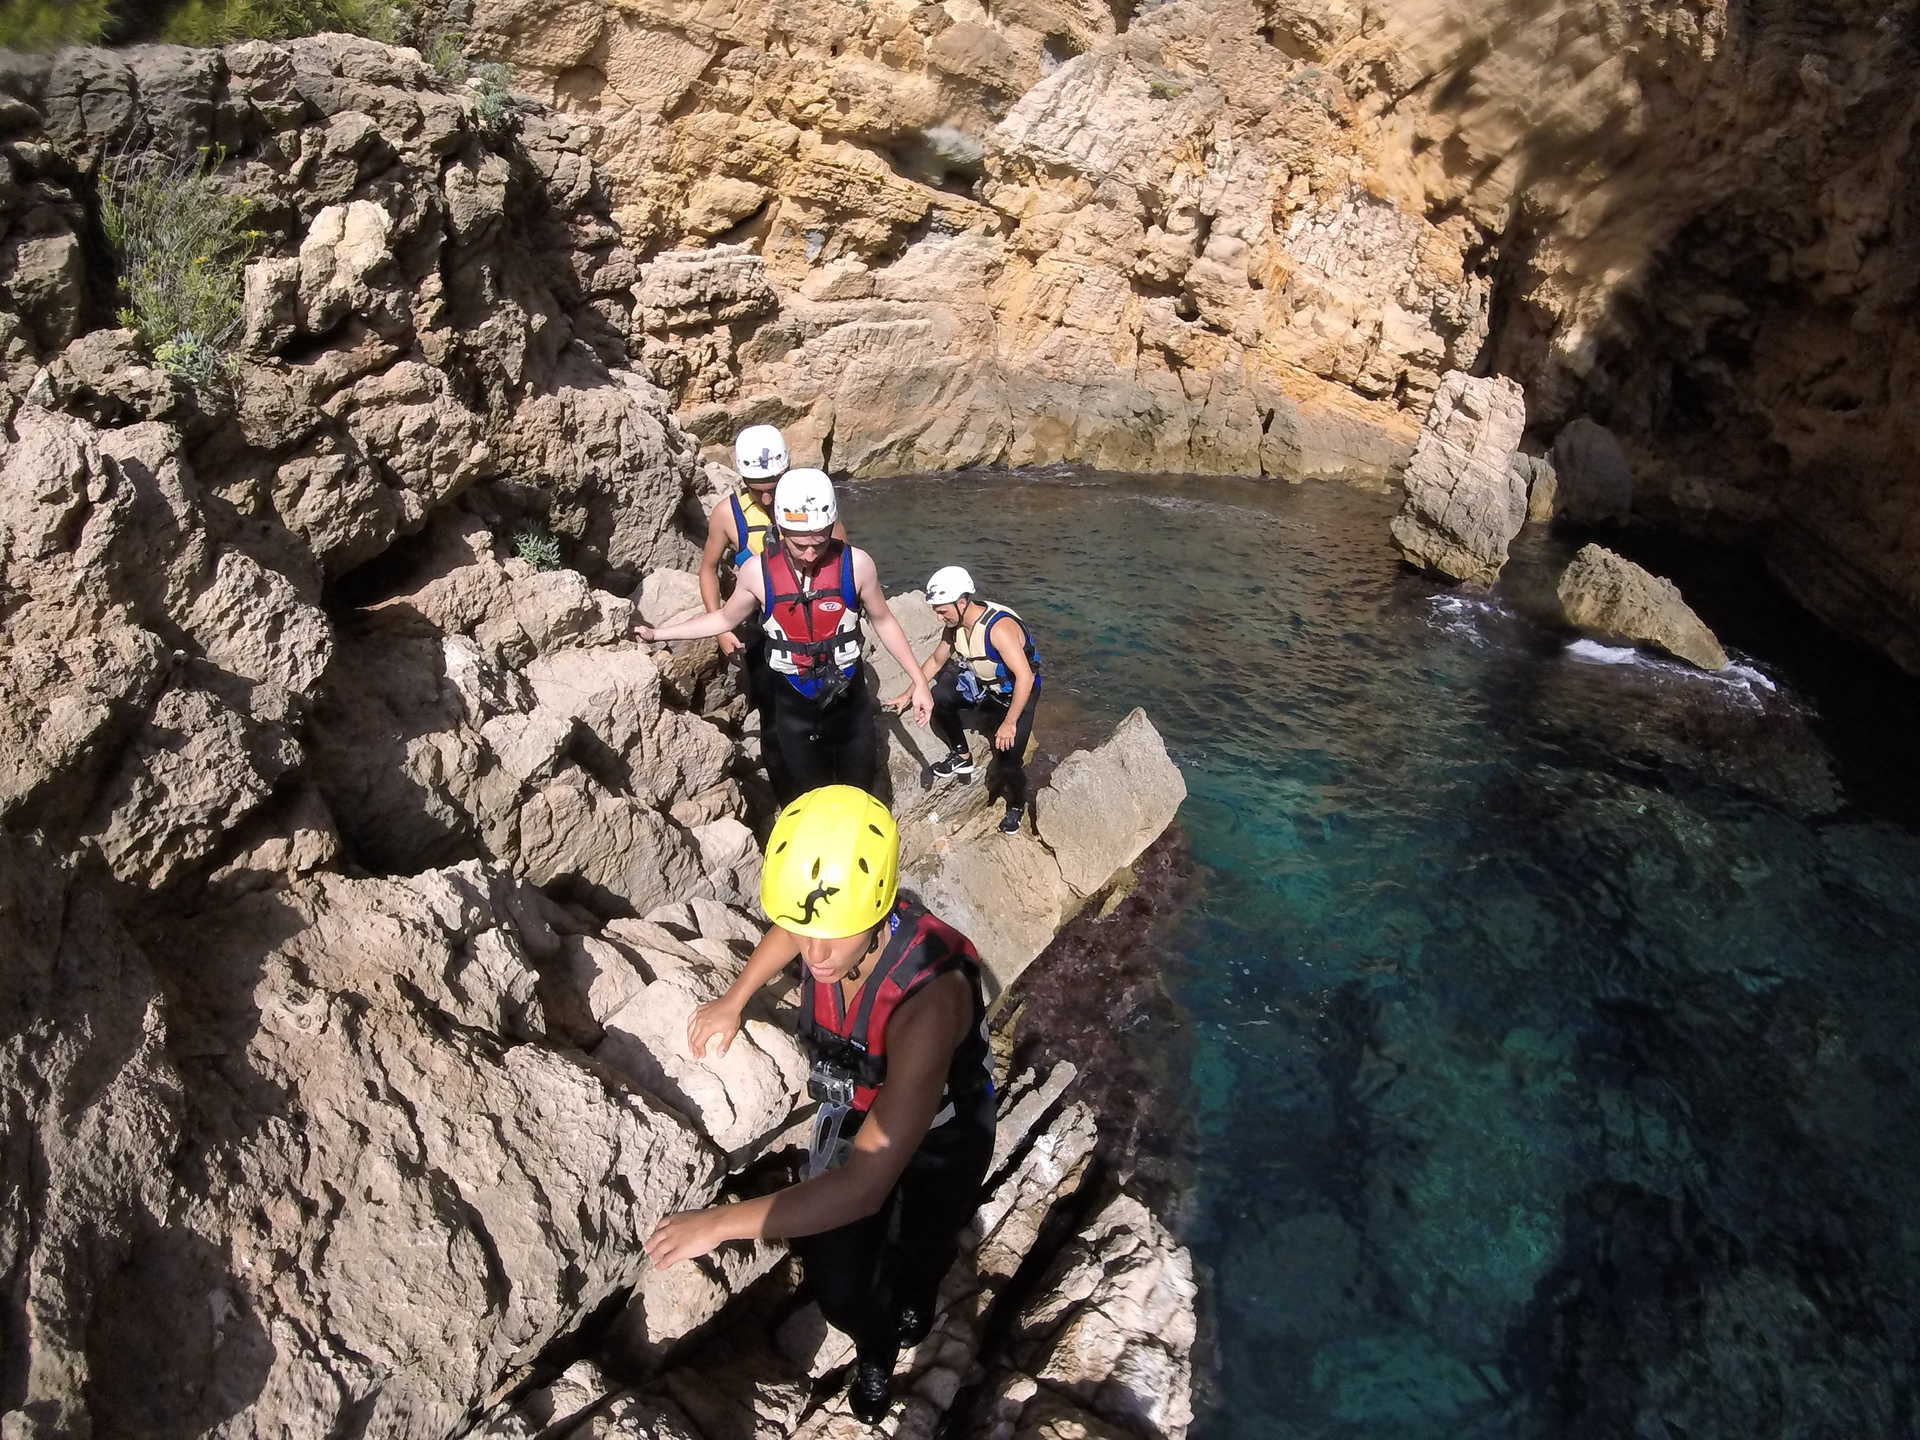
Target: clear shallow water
1548	1012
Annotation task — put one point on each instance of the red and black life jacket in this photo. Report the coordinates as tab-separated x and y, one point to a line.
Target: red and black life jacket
813	636
920	948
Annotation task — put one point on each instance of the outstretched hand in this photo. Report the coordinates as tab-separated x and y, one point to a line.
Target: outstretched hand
687	1235
922	705
715	1020
1004	737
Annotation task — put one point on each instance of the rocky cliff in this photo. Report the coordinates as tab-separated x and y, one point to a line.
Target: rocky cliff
359	875
1251	235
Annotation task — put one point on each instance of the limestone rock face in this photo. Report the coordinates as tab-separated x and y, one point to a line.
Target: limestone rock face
401	246
1603	592
1464	501
1593	480
1013	237
1099	1343
357	876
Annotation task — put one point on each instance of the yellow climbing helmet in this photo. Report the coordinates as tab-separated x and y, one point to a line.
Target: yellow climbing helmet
833	864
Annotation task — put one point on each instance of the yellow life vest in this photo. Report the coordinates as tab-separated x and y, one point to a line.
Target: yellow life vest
752	528
973	648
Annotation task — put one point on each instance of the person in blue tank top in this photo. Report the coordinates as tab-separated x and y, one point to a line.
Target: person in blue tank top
986	676
893	1016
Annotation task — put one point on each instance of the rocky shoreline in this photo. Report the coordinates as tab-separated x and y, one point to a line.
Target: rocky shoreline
359	871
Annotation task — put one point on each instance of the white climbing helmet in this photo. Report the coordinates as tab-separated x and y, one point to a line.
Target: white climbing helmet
803	501
948	585
760	453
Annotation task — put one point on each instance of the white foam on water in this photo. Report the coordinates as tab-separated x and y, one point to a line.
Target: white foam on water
1744	681
1459	616
1592	652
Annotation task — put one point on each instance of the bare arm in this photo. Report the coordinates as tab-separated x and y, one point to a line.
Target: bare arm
720	1019
929	668
719	541
1009	640
873	601
920	1045
715	622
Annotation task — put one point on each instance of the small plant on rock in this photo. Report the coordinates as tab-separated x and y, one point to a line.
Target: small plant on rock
538	547
1166	89
182	244
493	103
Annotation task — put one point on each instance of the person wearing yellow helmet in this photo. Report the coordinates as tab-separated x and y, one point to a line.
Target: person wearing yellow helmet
893	1017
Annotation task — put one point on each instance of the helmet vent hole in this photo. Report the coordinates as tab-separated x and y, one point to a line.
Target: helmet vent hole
780	847
865	869
816	869
876	830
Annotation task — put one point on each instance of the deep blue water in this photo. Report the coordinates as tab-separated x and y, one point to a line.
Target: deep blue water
1547	1012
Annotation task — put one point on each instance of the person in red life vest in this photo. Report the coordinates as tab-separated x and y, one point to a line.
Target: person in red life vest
739	529
894	1018
812	592
986	675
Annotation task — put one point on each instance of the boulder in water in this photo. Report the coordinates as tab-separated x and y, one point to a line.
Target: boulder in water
1601	591
1464	502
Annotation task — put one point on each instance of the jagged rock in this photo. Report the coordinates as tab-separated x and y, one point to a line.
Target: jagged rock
1464	503
1603	592
494	1182
1110	1328
1593	480
686	288
1537	474
957	281
1109	1340
1104	806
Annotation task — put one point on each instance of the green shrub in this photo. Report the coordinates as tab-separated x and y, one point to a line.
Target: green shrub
220	22
539	548
1166	90
493	104
447	53
182	244
49	24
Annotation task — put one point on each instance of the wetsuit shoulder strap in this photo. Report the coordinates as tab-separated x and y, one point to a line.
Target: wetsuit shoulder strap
914	954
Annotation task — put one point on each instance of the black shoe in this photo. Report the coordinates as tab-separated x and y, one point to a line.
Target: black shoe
871	1394
1010	822
957	762
915	1323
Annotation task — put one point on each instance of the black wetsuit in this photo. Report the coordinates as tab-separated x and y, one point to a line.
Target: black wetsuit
953	715
866	1273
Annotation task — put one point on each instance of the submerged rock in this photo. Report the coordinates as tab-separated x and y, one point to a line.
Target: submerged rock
1464	502
1603	592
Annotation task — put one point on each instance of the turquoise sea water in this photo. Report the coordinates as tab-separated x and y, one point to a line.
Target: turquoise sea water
1547	1012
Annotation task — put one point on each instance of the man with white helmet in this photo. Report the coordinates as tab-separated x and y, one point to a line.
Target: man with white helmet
739	528
812	591
986	674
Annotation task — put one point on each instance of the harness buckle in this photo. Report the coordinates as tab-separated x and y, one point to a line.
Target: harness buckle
832	1084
